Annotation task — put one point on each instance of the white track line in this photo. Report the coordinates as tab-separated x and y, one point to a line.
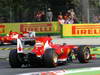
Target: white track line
62	72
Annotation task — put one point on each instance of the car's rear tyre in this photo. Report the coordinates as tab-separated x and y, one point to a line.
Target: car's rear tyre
13	59
83	54
50	58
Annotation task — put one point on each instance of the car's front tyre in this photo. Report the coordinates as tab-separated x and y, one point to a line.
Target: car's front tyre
83	54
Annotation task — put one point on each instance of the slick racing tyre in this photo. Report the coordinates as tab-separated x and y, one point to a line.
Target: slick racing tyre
13	59
83	54
50	58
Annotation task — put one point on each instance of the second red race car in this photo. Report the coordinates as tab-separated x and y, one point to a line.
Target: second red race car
11	38
47	53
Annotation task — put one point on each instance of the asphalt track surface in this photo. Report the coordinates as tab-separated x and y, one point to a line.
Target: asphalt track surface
5	68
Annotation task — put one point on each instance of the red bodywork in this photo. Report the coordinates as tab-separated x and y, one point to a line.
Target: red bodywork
46	42
9	38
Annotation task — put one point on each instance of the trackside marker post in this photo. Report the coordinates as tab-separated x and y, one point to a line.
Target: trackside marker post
19	46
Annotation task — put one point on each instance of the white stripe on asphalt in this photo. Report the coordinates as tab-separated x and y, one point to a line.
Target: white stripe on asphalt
62	72
82	70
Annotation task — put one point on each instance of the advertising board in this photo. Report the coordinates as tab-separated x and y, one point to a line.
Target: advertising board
38	27
81	30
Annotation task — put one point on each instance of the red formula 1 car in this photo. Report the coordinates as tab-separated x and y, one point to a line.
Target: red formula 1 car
45	52
11	38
